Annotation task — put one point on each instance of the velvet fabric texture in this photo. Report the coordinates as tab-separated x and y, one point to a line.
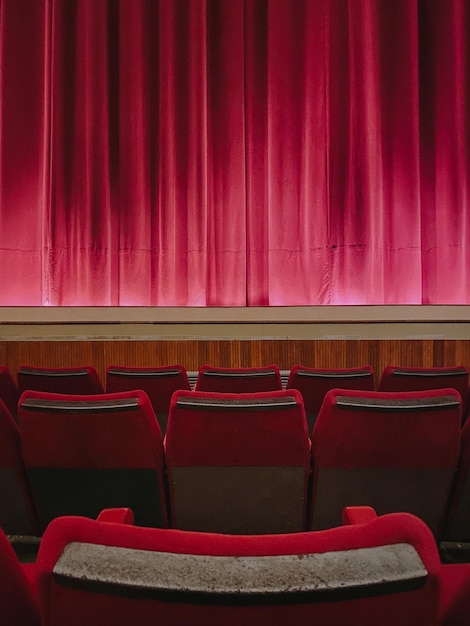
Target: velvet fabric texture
62	604
234	153
69	380
388	457
238	380
313	383
83	454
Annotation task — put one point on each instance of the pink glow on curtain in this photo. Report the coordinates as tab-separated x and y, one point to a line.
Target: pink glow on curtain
373	153
234	153
23	129
445	149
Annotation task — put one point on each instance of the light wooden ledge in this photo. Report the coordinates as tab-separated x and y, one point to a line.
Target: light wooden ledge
153	323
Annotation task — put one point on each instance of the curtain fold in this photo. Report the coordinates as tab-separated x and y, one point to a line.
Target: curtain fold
234	153
444	58
373	153
286	81
24	139
82	251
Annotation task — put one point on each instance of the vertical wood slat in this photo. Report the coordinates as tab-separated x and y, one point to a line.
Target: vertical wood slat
237	353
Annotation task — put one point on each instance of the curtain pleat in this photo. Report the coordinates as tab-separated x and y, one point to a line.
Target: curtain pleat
23	150
234	153
444	57
373	153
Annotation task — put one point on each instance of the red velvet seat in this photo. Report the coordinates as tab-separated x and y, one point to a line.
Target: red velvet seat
19	602
83	454
420	378
238	380
385	571
238	463
313	384
159	383
9	391
17	513
457	528
391	451
72	380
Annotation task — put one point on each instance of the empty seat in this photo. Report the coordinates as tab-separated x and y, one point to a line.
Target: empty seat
313	383
19	605
458	520
158	382
385	572
238	463
420	378
8	390
238	380
391	451
71	380
86	454
17	514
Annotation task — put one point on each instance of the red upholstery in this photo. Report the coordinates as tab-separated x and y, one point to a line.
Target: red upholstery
313	384
420	378
238	380
391	451
17	514
455	595
235	459
84	454
72	606
158	382
458	518
19	604
72	380
358	514
8	390
116	516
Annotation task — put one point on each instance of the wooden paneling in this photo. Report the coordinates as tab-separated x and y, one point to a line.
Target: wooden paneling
237	353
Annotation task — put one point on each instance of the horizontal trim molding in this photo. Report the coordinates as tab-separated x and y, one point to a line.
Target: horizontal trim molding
153	323
250	315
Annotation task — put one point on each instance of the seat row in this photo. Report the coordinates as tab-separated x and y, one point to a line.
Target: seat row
372	570
236	463
160	382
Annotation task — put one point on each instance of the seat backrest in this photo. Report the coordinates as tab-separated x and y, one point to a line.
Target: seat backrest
18	593
86	454
159	383
391	451
238	463
396	378
17	513
71	380
238	380
457	527
9	391
313	383
384	572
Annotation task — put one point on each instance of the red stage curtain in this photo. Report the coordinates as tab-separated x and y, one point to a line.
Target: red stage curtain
234	152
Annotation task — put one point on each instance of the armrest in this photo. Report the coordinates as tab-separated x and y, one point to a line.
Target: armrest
117	516
357	515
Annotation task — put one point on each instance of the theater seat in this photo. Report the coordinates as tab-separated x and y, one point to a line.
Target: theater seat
458	520
86	454
17	513
391	451
159	383
238	463
385	571
238	380
313	383
19	605
395	378
8	390
73	380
